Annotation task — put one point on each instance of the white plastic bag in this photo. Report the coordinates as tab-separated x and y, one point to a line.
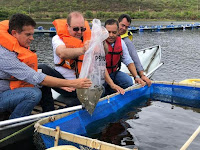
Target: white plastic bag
93	67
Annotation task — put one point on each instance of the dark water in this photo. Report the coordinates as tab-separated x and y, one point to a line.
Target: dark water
180	52
162	126
149	125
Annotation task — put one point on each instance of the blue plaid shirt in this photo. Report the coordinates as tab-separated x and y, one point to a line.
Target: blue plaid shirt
11	66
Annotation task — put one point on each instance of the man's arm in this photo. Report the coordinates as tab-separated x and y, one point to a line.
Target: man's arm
132	69
105	45
129	63
126	59
57	82
112	84
133	53
23	72
67	53
145	78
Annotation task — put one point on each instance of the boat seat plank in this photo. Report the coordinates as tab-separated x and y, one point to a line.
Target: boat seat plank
38	109
59	103
34	112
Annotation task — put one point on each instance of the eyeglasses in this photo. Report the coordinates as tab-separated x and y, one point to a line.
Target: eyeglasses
76	29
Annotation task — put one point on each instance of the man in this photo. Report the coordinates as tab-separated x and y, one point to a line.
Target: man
124	22
20	81
69	46
118	53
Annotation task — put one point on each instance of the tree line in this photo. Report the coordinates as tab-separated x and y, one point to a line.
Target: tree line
102	9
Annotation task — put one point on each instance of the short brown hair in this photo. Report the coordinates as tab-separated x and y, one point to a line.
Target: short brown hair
111	22
18	21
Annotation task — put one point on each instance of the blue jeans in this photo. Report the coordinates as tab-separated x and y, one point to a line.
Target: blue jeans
47	101
20	102
121	79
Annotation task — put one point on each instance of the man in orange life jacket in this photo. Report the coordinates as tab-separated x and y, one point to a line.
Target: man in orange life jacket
118	53
19	79
69	46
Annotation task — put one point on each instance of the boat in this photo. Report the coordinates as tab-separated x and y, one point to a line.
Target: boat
12	130
150	59
76	127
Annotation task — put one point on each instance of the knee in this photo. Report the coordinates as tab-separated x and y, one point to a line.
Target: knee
36	95
129	80
127	83
130	83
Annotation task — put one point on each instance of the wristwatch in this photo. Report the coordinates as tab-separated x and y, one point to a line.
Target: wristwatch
136	77
143	74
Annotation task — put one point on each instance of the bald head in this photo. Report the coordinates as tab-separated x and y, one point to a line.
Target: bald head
74	14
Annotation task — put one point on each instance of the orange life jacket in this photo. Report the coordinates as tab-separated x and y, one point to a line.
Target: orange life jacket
24	55
71	42
113	58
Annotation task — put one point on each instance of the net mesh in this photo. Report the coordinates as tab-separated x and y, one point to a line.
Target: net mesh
176	94
77	122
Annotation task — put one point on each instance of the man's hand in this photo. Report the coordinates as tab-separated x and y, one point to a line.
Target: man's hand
68	89
86	45
140	81
118	89
105	45
147	80
82	83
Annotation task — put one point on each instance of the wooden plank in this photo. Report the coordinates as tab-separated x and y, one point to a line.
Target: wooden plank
59	103
38	108
57	136
56	107
34	112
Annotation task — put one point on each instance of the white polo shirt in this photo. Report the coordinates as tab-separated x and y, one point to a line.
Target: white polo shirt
66	73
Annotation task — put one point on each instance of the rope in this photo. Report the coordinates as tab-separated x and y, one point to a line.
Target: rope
12	135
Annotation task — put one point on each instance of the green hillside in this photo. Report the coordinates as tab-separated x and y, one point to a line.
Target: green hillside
137	9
